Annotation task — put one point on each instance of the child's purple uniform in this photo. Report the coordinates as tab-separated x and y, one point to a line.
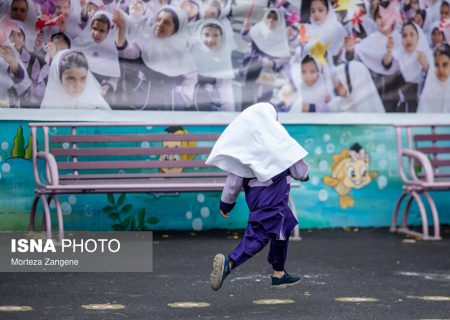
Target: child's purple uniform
270	216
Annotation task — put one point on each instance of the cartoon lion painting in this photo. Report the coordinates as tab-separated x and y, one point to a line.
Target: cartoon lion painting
350	170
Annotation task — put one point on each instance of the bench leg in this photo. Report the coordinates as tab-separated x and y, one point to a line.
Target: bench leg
48	223
395	213
31	227
423	214
435	215
60	218
296	235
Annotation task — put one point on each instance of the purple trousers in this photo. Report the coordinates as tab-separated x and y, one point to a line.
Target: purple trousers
254	240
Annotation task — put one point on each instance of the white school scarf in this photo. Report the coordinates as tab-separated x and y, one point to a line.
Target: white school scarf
215	63
255	144
372	49
410	67
103	57
435	96
364	96
275	42
56	98
28	26
318	91
329	31
136	26
169	56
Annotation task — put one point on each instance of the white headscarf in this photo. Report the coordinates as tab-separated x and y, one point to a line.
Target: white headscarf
102	57
372	49
316	93
255	144
272	42
410	67
364	95
330	30
215	63
435	96
56	98
169	56
28	26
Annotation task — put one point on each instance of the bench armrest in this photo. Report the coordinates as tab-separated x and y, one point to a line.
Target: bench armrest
424	163
51	169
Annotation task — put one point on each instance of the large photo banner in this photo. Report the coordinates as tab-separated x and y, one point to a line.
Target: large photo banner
355	56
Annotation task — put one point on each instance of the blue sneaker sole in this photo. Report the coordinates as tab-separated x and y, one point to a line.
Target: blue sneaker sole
285	285
215	280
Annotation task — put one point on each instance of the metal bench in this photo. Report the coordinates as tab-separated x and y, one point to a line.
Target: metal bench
426	149
88	158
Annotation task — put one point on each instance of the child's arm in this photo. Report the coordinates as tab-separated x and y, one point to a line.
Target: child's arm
233	185
299	171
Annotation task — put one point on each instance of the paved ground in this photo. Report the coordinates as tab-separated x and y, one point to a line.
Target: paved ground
404	277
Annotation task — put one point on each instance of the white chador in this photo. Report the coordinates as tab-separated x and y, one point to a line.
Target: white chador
372	49
273	43
169	56
255	144
102	57
329	31
410	67
318	92
214	63
56	98
362	95
435	96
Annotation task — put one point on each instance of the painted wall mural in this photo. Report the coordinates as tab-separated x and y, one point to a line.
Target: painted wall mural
353	182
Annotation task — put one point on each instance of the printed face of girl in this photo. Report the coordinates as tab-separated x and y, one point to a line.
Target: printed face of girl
19	10
99	31
310	74
211	37
445	11
272	20
62	7
164	25
437	37
318	12
418	20
415	5
211	11
442	64
73	81
137	8
17	38
381	25
191	9
91	9
409	38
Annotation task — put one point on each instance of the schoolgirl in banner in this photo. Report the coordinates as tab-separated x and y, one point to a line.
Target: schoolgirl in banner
212	54
71	85
97	42
435	97
315	86
376	53
325	27
14	80
414	58
355	90
269	53
168	79
25	12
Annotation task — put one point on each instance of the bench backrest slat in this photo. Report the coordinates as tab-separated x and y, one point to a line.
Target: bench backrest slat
132	137
94	176
104	165
432	137
434	150
78	152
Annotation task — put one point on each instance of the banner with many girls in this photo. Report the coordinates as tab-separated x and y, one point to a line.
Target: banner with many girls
355	56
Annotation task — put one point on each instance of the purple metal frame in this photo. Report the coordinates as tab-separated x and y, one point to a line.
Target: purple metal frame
74	179
416	186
